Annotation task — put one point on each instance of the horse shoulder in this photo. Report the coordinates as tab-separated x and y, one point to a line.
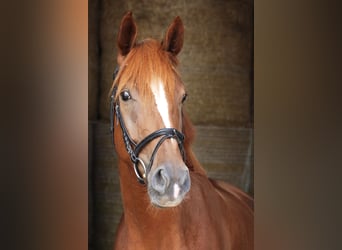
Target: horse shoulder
239	214
207	220
225	189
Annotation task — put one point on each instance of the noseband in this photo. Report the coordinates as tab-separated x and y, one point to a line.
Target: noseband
133	148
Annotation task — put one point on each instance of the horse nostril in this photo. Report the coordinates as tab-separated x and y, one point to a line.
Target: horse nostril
184	178
184	181
160	180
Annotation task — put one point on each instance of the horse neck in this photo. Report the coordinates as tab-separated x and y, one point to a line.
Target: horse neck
134	195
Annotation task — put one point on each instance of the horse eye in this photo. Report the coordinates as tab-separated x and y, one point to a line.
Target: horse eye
185	96
125	95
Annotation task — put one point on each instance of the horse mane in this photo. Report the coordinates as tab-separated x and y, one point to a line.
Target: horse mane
189	131
136	74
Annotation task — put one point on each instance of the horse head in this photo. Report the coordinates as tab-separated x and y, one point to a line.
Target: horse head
148	96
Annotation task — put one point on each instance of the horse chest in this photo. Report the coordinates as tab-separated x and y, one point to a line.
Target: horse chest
193	236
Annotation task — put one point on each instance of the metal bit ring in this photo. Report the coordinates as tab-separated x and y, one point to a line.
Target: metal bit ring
142	178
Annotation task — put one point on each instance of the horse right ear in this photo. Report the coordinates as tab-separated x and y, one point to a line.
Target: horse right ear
174	37
127	34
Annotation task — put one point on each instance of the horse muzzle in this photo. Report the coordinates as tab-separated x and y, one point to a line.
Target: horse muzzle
168	185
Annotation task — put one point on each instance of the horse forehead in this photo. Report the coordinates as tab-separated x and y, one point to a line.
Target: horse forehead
161	100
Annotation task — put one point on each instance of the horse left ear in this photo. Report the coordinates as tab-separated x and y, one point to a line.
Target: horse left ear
127	34
173	41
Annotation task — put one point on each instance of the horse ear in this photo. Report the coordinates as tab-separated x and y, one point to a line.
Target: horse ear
127	34
173	41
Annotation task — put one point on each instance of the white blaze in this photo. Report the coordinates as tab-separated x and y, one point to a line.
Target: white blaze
176	190
161	101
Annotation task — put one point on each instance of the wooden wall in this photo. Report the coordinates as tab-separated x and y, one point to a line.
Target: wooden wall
216	67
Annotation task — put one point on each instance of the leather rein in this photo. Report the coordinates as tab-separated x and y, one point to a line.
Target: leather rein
133	148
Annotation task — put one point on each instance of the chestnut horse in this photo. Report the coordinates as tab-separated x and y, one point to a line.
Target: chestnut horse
173	205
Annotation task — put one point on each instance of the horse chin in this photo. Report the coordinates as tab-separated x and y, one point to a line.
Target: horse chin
165	201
